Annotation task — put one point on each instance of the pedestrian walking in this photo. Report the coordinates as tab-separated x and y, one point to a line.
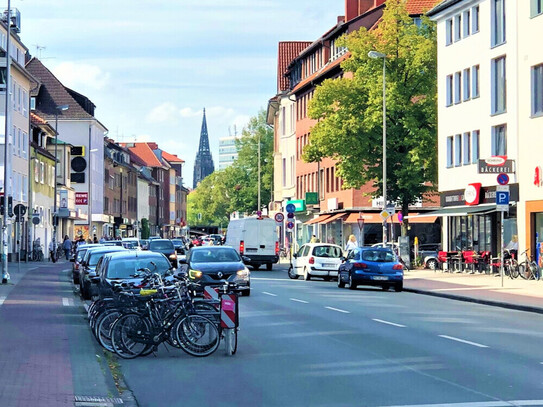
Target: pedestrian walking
67	246
52	252
314	239
351	243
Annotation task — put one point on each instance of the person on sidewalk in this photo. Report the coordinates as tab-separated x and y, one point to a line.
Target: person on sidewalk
67	247
351	244
314	239
52	252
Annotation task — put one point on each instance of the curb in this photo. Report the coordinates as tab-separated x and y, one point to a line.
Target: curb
526	308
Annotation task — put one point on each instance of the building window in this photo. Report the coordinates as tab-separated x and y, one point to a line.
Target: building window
458	27
448	32
457	150
449	90
457	87
474	146
284	171
449	151
498	86
499	140
498	22
467	22
475	81
536	7
467	84
467	148
283	121
32	103
537	90
475	20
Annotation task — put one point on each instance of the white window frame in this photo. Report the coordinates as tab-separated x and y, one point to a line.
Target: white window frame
498	142
466	20
457	87
475	19
475	146
449	31
475	82
499	85
449	91
457	150
498	27
466	143
457	27
450	151
466	81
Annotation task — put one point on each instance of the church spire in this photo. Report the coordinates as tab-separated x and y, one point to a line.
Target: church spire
203	166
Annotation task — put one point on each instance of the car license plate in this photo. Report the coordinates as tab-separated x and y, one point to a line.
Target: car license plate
380	278
330	265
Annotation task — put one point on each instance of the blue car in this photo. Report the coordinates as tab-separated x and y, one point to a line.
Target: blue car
375	266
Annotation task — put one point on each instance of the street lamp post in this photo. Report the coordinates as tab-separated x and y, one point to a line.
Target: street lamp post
60	108
375	54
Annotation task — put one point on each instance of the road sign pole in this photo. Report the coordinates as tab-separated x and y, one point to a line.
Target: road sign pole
501	240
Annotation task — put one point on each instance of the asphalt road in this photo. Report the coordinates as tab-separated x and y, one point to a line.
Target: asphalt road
313	344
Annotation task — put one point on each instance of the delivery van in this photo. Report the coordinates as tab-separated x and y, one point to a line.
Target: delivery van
256	239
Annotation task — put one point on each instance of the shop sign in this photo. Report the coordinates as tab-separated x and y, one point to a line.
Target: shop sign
81	198
496	165
487	195
311	198
472	194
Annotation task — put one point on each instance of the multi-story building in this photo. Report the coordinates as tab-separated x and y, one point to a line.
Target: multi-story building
178	195
73	113
228	151
318	188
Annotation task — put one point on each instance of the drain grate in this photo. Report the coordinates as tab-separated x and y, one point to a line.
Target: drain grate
98	399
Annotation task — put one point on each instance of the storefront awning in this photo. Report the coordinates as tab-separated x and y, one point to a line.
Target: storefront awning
332	218
368	218
318	219
457	211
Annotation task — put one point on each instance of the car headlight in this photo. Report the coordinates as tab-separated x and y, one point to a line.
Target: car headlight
173	256
243	274
194	274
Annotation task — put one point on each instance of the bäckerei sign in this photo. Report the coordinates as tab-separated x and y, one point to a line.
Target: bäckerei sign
496	165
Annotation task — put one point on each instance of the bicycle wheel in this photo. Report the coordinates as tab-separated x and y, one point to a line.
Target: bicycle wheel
536	270
130	335
197	335
230	340
103	329
514	273
525	271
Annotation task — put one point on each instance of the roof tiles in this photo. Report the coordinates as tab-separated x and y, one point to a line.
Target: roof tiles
418	7
288	50
144	153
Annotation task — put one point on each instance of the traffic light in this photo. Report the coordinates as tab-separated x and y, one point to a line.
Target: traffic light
10	205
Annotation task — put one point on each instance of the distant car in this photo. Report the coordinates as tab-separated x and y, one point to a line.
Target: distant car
112	243
127	265
131	243
88	266
316	260
78	257
374	266
217	239
428	254
144	244
208	241
166	247
196	241
210	265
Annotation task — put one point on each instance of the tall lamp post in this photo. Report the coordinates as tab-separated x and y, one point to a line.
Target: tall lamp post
60	108
375	54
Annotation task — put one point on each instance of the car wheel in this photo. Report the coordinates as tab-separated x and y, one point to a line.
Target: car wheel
340	284
307	276
269	266
246	293
85	291
292	274
352	285
398	287
431	264
255	266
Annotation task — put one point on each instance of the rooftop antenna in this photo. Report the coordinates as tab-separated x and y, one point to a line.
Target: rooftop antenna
39	49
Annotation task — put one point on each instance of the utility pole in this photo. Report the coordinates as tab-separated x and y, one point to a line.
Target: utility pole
259	208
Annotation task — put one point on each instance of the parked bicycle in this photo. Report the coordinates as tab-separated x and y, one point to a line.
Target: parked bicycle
37	252
528	269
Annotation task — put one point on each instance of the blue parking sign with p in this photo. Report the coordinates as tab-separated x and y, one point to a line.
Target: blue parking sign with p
502	197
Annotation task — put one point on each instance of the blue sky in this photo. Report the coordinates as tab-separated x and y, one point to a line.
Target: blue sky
151	66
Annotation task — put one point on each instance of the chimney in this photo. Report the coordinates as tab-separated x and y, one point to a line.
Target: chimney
340	19
354	8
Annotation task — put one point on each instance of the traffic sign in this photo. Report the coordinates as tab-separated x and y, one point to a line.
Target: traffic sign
384	214
503	179
290	208
400	217
19	210
502	200
279	217
290	225
290	215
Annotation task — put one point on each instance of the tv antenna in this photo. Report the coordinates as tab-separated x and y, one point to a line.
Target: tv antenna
39	49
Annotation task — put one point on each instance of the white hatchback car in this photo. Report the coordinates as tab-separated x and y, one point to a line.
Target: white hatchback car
316	260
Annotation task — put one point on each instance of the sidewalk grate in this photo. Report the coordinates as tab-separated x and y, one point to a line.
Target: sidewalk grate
97	401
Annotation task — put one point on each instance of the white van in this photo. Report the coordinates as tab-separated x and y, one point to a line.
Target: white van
256	239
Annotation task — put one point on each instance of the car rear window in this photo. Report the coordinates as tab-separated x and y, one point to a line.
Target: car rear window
381	256
128	267
327	251
161	245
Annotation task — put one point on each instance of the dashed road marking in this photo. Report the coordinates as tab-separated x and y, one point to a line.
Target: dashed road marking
388	323
67	302
338	310
2	299
297	300
267	293
452	338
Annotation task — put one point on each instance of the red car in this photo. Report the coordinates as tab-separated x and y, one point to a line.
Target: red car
196	241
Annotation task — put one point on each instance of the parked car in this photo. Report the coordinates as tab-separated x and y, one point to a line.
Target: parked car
428	255
166	247
316	260
127	265
144	244
374	266
217	239
209	265
131	243
88	267
78	256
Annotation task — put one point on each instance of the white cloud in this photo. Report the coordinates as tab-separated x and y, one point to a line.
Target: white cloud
165	113
81	76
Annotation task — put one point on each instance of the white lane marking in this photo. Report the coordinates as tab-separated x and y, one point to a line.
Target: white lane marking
2	299
66	302
452	338
318	333
297	300
267	293
388	323
274	279
338	310
478	404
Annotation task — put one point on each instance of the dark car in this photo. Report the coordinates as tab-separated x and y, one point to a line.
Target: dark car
179	245
78	257
166	247
88	267
209	265
217	239
375	266
127	265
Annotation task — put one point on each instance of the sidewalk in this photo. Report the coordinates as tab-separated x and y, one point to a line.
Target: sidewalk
525	295
48	356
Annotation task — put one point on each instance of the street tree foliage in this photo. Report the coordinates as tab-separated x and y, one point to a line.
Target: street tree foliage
236	187
350	110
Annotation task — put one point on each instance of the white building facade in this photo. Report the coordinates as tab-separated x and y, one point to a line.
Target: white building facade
228	151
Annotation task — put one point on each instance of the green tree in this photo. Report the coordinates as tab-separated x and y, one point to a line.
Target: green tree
145	231
349	110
